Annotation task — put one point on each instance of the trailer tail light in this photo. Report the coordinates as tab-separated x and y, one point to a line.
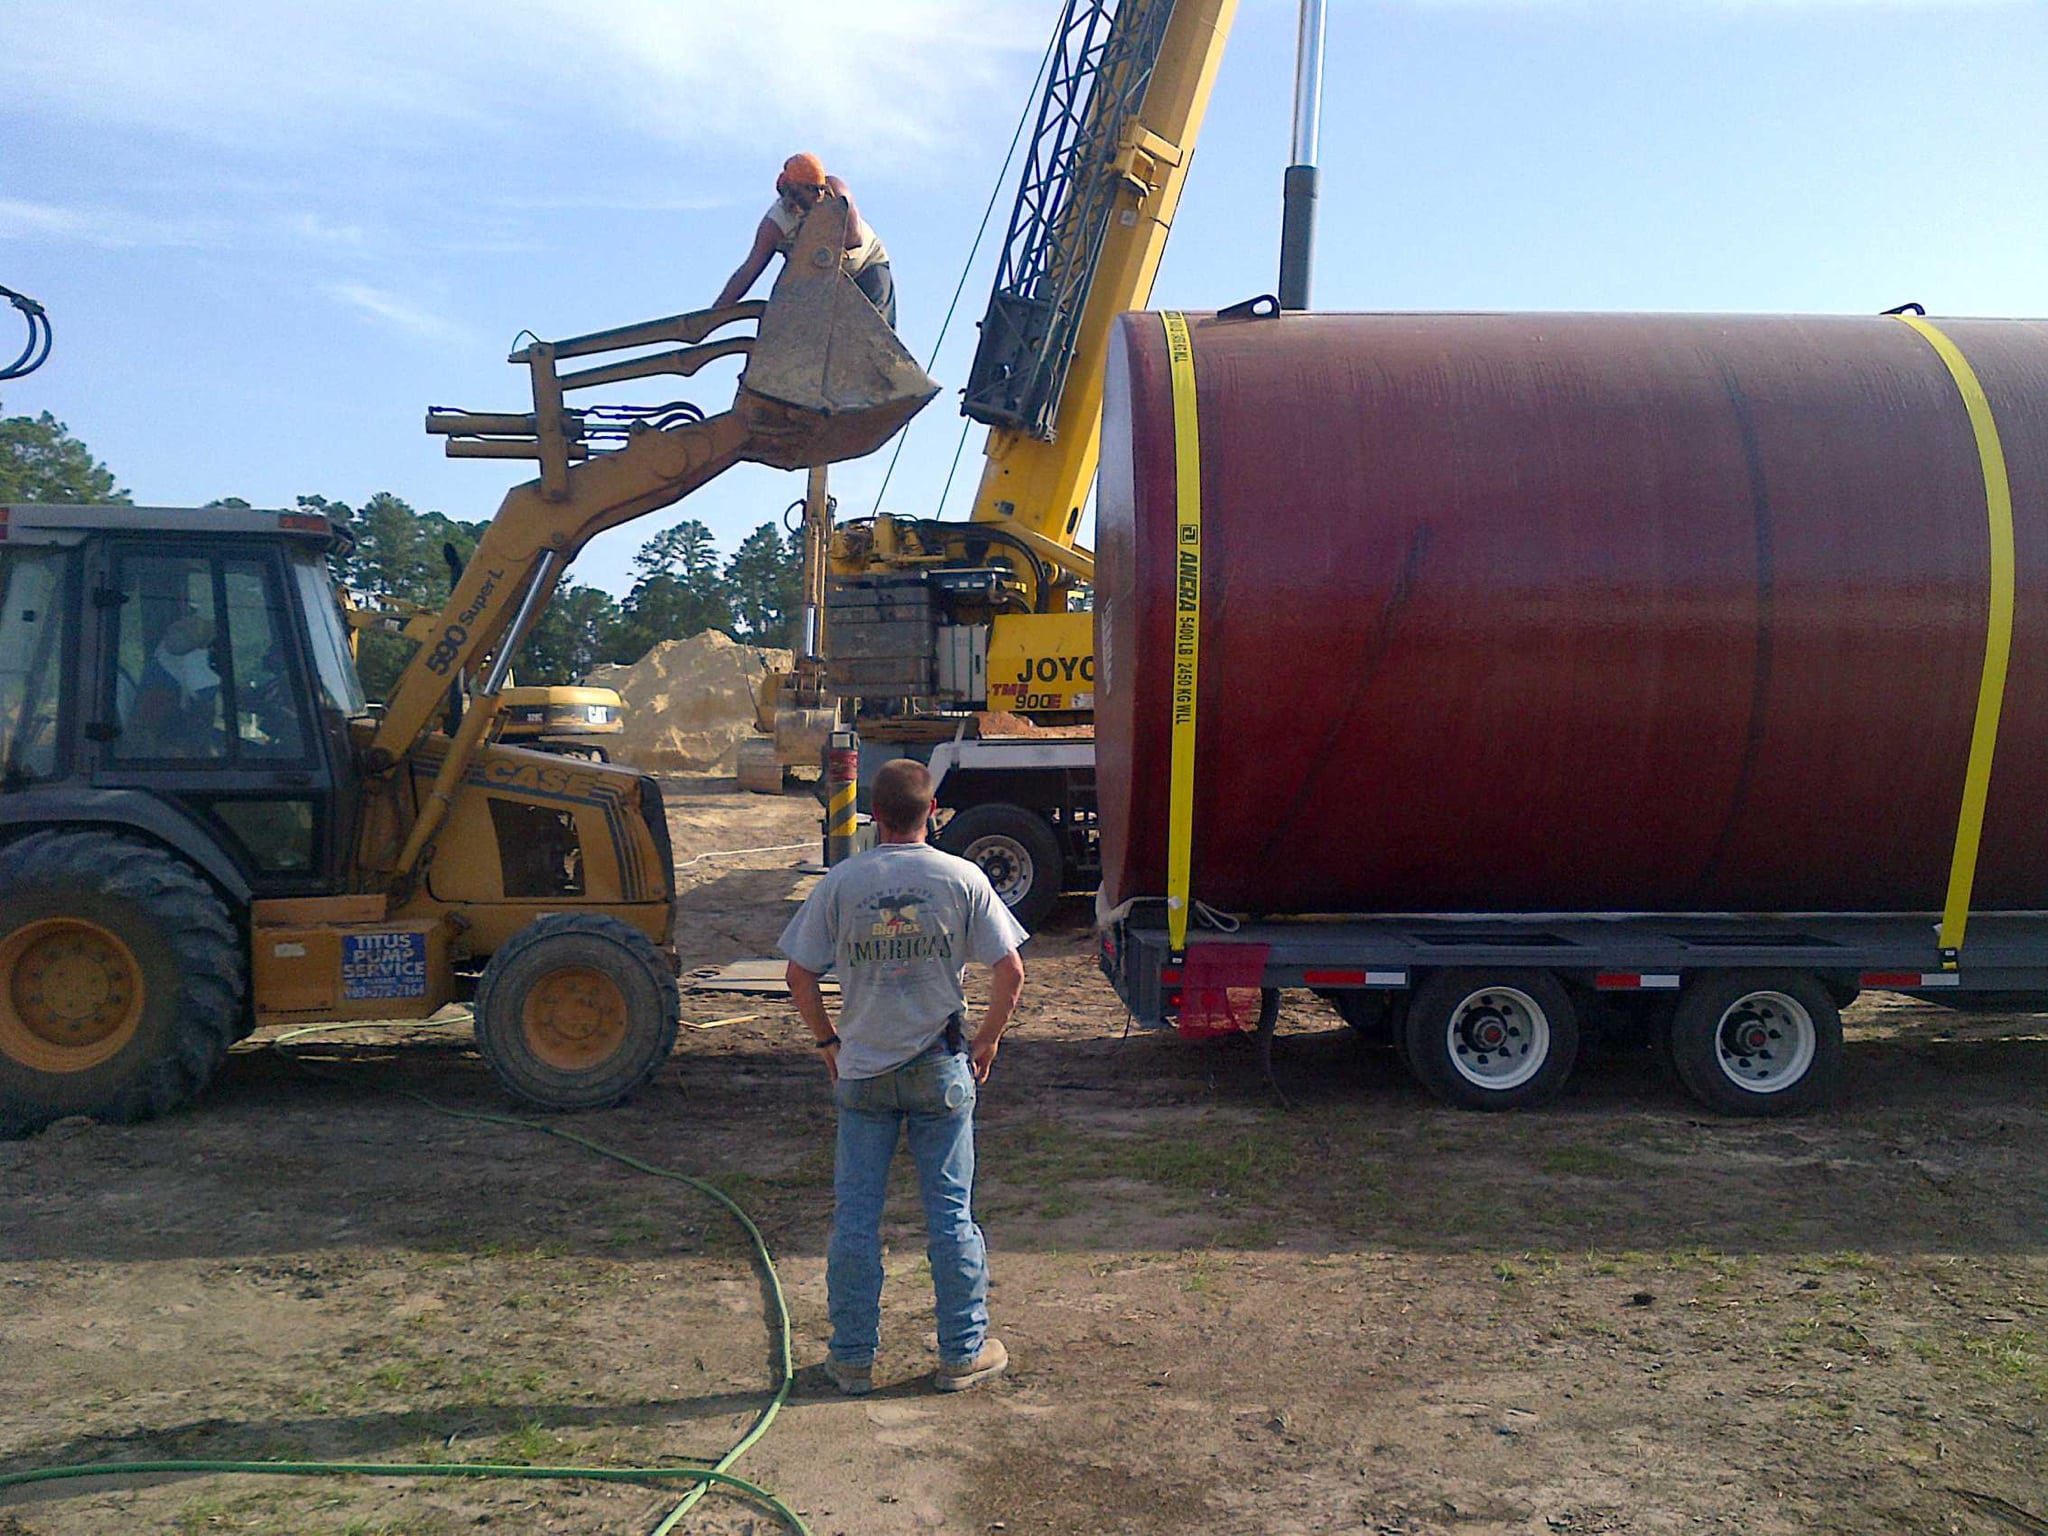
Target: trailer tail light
1636	981
1913	980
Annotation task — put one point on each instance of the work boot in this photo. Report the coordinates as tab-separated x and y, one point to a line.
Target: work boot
957	1377
853	1380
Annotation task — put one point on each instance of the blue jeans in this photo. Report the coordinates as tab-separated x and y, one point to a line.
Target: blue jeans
931	1098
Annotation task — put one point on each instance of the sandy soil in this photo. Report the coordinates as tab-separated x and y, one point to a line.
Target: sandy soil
1365	1313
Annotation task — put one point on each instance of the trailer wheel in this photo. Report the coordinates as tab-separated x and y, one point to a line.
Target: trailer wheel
1492	1039
1018	852
1758	1042
576	1010
121	980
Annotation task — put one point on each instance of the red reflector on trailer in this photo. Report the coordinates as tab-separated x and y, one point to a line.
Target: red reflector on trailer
1890	979
1636	981
1333	978
1169	974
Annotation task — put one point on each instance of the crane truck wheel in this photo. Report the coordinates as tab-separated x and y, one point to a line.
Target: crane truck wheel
1016	850
121	980
576	1010
1758	1042
1492	1039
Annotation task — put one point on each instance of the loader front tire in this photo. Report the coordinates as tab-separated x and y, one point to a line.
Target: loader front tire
576	1010
121	980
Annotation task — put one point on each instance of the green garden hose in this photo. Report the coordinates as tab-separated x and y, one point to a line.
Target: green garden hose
705	1476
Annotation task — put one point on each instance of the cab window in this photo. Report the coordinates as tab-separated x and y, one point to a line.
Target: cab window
33	639
340	689
202	663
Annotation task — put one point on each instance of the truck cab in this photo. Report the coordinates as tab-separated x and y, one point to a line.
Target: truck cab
185	674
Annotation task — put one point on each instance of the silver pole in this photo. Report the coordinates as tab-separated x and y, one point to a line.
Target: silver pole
1308	81
1298	194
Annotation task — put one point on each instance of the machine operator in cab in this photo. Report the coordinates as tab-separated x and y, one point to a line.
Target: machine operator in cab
797	190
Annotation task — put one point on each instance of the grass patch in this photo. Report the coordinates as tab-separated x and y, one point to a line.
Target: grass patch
534	1445
1583	1160
2012	1356
635	1230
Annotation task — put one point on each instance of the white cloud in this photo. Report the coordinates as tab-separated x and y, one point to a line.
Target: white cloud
390	310
892	75
312	229
101	226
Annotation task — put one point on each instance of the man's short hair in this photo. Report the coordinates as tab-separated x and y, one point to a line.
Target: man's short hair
902	795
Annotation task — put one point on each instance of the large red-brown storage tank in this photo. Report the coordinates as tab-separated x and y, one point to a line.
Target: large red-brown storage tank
1550	613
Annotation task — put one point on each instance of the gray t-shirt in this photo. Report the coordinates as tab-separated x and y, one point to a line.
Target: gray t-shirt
900	922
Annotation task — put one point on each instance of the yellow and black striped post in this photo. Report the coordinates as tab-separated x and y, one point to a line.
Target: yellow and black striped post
842	796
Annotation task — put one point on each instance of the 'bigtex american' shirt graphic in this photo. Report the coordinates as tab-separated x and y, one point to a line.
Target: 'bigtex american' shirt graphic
895	933
898	924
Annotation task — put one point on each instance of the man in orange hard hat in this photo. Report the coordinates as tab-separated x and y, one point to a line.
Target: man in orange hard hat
797	190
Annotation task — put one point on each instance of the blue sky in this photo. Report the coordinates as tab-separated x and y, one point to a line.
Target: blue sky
269	236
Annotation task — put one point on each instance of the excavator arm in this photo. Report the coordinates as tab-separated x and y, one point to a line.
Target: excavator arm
825	380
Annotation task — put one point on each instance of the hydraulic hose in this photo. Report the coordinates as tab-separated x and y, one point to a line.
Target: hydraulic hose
704	1475
37	351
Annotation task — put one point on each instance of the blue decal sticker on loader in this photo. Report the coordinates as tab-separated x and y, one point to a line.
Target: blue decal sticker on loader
377	965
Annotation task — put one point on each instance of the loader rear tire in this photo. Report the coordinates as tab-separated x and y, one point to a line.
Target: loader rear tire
121	980
576	1010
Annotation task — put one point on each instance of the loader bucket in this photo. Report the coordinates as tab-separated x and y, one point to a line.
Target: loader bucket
827	379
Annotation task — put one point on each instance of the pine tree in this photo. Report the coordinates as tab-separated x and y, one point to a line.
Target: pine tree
41	461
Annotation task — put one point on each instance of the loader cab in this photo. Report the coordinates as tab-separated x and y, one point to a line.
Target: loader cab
186	672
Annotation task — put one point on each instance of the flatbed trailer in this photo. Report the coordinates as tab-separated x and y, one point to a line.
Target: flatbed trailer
1488	1009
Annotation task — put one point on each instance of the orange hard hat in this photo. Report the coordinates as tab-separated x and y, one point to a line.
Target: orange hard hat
804	170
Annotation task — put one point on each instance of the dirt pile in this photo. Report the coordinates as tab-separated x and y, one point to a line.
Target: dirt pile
689	702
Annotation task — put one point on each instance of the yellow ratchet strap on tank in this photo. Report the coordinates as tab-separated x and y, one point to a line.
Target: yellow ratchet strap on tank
1187	623
1962	870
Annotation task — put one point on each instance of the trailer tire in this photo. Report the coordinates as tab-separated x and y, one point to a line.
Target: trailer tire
1758	1042
1018	852
576	1010
1492	1040
152	969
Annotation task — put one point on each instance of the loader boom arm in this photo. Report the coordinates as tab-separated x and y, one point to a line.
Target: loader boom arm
825	380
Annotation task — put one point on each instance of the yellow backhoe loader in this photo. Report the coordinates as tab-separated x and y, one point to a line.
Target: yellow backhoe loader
204	829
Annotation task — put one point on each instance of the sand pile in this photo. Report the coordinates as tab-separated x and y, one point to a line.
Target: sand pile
689	703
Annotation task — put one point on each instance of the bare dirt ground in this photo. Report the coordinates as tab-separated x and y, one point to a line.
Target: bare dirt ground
1364	1314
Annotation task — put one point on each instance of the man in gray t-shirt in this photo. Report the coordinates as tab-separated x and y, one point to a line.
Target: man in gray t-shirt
900	924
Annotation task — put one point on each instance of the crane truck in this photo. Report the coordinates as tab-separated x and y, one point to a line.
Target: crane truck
203	827
925	629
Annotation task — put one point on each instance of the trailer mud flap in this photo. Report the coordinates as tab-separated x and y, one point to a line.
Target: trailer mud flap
1219	989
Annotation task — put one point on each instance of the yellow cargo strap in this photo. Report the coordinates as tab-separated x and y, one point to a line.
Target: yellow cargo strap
1187	623
1962	870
